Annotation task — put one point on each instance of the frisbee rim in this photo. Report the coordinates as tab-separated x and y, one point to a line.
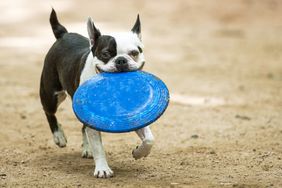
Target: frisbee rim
129	129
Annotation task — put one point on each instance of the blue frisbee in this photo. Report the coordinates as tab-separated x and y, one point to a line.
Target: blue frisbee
120	102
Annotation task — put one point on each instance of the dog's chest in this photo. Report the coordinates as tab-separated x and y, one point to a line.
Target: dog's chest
89	69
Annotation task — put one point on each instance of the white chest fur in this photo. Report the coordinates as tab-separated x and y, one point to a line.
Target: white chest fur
88	70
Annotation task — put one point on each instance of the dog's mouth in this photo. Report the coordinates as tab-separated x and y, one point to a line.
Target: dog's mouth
98	70
142	65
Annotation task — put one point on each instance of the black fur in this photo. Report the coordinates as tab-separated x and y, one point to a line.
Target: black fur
62	68
137	26
93	33
57	28
64	63
105	49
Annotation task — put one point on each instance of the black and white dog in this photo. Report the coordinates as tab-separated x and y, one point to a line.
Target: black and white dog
71	61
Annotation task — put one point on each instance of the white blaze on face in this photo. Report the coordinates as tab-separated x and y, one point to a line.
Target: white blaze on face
126	41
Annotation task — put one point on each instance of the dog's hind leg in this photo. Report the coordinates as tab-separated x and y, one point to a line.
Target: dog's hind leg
147	138
56	128
86	149
51	95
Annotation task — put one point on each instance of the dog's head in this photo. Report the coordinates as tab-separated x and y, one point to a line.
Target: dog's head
117	52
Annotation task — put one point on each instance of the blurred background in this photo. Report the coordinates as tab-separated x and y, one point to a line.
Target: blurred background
222	61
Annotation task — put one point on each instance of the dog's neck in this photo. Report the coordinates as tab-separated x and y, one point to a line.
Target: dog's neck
89	68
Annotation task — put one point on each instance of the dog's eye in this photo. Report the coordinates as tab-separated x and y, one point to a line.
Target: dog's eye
106	55
134	54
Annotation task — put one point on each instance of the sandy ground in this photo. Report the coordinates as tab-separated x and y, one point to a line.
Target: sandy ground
222	61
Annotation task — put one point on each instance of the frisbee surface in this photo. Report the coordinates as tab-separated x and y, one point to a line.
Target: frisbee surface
120	102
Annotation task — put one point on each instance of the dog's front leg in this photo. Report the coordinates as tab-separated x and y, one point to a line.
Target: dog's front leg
102	169
147	138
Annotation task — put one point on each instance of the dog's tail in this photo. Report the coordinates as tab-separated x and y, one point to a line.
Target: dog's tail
57	28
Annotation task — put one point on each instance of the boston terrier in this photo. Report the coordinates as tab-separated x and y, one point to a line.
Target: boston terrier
71	61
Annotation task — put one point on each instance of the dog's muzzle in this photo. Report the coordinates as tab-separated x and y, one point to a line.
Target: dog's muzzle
121	64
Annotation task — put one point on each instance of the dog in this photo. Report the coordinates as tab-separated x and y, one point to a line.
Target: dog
71	61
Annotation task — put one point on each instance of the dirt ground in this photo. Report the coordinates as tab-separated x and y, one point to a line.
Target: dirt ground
222	61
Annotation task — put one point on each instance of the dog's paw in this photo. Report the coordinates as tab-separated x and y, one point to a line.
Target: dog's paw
139	153
143	150
86	151
59	138
103	171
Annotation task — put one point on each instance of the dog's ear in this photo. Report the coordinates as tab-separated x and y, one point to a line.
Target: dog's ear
93	32
137	27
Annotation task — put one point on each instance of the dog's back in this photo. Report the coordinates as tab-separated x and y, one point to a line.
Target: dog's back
66	57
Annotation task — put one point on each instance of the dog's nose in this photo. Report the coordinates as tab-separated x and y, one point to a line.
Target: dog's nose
121	64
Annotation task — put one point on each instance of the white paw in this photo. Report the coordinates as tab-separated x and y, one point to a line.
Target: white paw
59	138
102	170
86	151
143	150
